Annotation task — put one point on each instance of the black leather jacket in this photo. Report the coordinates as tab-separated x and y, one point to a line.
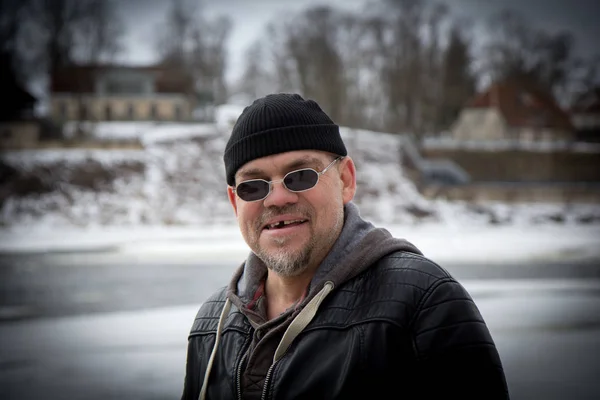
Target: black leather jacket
403	328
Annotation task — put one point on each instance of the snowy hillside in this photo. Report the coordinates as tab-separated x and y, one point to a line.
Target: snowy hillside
179	179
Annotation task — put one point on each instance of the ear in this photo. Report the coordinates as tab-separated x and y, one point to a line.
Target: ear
348	176
232	199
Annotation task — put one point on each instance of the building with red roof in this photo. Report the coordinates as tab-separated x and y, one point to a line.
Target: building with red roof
513	110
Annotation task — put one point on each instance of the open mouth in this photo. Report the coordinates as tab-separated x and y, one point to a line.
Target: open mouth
285	224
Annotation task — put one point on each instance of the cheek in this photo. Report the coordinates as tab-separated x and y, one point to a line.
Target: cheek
247	215
325	201
332	191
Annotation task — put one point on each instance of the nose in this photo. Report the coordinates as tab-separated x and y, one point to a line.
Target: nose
280	196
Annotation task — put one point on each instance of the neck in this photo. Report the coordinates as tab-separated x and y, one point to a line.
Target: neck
283	292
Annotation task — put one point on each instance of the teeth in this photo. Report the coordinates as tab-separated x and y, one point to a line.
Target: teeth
283	223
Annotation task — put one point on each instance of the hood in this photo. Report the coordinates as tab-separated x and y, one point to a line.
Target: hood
358	247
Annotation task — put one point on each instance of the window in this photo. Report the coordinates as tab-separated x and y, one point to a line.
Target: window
5	133
83	111
108	112
124	86
131	111
177	112
153	111
62	109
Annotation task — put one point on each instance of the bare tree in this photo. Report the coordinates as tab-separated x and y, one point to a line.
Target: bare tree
517	49
257	78
99	32
47	35
209	56
407	53
432	69
69	31
283	69
396	35
312	44
12	79
363	99
174	39
13	14
379	69
303	56
584	75
458	81
55	21
196	45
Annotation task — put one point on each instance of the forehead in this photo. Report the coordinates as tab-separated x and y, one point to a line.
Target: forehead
282	162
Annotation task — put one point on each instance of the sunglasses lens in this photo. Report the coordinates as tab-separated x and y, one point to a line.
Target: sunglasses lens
252	190
303	179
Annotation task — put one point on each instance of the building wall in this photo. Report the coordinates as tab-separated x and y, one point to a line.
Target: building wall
586	120
105	108
480	124
488	124
19	134
523	165
481	193
545	135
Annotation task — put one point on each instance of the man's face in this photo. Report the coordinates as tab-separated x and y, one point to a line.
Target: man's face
314	218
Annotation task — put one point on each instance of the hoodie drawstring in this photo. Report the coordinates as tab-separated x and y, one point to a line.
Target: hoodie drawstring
293	330
211	360
301	321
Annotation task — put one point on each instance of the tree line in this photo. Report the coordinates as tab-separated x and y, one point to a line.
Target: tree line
408	65
395	65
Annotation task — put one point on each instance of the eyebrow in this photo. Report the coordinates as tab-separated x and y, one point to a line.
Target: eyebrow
304	162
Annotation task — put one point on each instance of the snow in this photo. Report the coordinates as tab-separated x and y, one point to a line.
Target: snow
108	129
27	159
168	199
177	132
224	243
145	131
227	114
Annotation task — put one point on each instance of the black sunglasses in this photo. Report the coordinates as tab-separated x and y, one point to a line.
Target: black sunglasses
294	181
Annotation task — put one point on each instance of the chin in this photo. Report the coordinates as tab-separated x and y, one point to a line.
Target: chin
285	253
286	264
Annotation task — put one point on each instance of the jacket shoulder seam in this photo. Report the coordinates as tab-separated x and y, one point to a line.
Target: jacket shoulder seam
412	256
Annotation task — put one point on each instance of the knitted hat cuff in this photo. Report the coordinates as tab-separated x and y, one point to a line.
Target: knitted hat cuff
324	137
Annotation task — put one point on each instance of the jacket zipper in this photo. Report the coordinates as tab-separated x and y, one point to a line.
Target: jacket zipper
267	379
239	370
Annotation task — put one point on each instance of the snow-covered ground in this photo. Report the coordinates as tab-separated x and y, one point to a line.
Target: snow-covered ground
169	199
440	242
178	179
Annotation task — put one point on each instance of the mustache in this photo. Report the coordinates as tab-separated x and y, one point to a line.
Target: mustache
274	211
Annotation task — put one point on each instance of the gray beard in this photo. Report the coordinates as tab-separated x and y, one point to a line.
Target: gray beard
288	264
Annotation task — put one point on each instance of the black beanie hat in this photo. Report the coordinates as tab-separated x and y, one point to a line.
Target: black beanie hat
278	123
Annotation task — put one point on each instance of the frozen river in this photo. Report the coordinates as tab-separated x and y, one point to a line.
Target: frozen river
119	332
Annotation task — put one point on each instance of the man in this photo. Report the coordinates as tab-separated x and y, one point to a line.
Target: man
327	306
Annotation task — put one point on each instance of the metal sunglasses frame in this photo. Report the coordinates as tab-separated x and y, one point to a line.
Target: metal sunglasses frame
270	183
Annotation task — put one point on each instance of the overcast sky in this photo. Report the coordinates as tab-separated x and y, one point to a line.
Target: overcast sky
142	18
